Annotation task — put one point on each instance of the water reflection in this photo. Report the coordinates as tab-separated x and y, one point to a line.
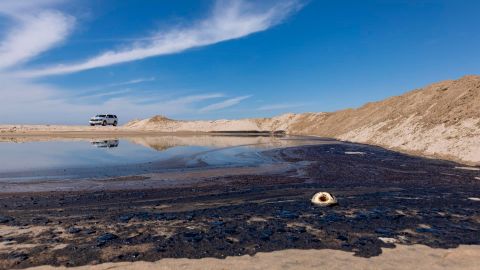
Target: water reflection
31	156
161	143
105	143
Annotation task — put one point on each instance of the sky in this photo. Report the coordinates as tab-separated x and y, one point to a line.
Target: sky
63	61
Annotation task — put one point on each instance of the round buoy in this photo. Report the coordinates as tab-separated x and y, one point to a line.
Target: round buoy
324	199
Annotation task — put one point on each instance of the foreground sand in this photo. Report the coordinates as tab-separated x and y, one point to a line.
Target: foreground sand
400	257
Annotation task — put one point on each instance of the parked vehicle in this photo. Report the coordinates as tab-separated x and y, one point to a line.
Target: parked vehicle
104	119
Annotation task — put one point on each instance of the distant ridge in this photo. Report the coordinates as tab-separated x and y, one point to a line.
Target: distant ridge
441	120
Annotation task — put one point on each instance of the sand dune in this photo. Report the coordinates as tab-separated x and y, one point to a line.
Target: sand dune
440	120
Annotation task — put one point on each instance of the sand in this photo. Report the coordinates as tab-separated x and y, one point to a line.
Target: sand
468	168
463	257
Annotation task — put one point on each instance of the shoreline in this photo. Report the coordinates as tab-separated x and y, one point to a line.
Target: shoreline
158	180
48	133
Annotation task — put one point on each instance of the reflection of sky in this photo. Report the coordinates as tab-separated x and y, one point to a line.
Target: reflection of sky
62	154
44	155
245	155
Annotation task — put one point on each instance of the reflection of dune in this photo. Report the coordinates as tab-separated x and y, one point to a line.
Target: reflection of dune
164	142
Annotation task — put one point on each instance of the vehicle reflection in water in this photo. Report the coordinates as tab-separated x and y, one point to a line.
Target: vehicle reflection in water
105	143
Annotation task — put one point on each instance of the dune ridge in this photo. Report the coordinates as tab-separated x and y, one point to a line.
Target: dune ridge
440	120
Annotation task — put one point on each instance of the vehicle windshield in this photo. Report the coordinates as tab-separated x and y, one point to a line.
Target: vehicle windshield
100	115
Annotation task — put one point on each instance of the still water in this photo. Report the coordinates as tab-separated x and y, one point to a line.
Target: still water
39	157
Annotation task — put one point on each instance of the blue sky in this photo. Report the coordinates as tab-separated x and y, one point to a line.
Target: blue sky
62	61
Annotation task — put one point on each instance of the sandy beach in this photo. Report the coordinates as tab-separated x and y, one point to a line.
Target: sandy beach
463	257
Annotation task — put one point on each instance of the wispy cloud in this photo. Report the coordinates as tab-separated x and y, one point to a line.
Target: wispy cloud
104	94
134	81
18	8
194	98
228	20
35	30
224	104
130	98
281	106
43	103
104	89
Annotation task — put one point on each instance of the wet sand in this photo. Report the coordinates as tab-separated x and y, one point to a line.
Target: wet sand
391	206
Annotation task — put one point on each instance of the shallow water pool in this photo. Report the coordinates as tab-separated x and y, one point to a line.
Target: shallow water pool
47	157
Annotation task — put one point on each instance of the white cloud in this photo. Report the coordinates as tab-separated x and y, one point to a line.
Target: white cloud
94	91
18	8
194	98
224	104
280	106
134	81
28	103
35	30
229	20
104	94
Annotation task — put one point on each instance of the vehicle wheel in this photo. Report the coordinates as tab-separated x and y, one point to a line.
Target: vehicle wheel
104	123
115	123
92	125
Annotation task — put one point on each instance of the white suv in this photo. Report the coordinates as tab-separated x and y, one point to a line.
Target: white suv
104	119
